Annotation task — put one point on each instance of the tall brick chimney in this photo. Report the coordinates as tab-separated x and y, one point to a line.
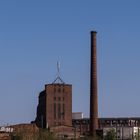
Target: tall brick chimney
93	87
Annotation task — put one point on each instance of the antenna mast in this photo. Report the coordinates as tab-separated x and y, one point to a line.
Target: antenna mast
58	69
58	79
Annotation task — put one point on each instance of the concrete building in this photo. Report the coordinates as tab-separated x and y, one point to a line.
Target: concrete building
125	128
77	115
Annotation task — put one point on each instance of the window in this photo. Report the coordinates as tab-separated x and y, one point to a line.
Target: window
63	111
59	90
63	90
59	111
54	90
54	110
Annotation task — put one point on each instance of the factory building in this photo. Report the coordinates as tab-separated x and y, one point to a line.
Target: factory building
54	110
55	105
125	128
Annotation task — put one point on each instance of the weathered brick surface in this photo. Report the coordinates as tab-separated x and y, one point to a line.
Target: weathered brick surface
32	128
65	131
93	87
26	131
5	136
55	106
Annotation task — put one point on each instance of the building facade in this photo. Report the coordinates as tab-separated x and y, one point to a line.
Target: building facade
55	106
125	128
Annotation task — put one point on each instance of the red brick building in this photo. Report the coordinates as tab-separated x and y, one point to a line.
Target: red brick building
55	105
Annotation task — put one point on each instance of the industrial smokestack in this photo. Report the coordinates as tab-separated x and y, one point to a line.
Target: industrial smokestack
93	87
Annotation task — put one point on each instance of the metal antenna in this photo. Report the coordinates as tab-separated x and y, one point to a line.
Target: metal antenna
58	79
58	69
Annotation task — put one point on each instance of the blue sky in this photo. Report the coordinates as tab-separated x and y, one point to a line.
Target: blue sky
34	35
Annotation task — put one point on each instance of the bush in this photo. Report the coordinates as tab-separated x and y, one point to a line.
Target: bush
40	135
111	135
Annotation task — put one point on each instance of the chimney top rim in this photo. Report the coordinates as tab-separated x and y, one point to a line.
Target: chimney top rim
93	32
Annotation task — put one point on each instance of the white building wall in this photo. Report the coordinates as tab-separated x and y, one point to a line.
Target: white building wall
123	133
77	115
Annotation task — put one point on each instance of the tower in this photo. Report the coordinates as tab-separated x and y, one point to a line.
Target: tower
55	104
58	104
93	87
